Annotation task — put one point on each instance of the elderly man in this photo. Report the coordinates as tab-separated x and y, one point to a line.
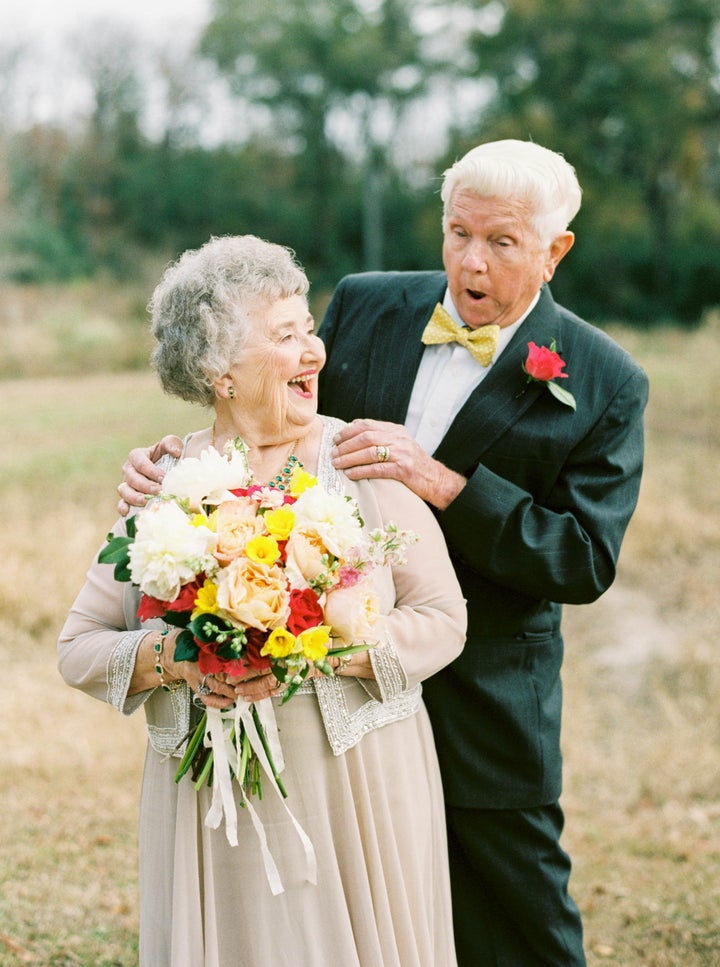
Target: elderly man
521	425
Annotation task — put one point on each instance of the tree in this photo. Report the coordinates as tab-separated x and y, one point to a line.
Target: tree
629	92
329	72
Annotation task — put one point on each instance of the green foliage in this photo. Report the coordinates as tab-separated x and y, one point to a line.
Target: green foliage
117	551
312	62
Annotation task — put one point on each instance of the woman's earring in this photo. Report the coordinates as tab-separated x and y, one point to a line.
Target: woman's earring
231	392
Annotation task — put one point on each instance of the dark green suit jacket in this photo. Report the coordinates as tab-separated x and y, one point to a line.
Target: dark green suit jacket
549	495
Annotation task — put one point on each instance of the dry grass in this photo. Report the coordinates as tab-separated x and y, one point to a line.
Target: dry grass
642	684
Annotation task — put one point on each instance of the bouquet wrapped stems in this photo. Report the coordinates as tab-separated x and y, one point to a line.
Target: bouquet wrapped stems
199	756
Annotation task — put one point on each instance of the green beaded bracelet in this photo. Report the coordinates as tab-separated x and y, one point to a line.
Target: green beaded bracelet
158	646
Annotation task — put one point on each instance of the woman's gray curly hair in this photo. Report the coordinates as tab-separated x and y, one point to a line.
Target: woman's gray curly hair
201	306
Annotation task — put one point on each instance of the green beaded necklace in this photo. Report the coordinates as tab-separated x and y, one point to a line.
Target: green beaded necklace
281	480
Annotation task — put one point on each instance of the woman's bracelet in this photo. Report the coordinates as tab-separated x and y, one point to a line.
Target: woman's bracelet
158	646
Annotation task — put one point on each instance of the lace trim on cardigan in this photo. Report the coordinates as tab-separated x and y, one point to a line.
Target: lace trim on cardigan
344	728
389	675
169	741
120	669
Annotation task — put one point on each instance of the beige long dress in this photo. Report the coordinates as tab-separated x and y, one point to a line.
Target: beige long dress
361	775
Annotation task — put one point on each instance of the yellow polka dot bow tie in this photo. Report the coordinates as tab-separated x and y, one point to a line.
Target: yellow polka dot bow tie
481	342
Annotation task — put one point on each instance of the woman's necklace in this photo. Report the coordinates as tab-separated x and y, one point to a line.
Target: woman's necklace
281	479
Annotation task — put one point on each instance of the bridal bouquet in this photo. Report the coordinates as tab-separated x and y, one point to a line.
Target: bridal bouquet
256	578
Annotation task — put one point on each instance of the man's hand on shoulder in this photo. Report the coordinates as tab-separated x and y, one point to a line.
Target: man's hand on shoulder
376	449
141	476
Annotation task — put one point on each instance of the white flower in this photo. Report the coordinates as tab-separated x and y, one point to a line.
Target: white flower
333	517
168	550
207	479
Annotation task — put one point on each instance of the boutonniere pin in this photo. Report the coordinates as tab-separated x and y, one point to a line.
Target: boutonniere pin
543	365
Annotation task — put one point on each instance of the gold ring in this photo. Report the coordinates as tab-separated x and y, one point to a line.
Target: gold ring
383	454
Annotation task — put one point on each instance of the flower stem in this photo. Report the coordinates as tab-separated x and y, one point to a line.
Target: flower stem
191	749
266	747
206	769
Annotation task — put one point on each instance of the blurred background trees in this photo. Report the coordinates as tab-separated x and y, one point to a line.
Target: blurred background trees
326	124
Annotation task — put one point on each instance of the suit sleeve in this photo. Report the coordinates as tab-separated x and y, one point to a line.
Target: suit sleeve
564	549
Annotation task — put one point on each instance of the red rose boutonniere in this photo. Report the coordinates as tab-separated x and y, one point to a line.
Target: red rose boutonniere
543	365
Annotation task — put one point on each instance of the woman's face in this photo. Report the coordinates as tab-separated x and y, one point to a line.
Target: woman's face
275	379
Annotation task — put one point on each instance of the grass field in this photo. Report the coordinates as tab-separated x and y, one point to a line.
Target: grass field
642	681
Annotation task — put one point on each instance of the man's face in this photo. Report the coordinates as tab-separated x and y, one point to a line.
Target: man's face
494	260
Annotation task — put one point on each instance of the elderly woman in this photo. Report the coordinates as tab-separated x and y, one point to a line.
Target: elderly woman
234	332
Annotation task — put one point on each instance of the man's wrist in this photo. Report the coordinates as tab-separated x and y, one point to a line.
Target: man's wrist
450	485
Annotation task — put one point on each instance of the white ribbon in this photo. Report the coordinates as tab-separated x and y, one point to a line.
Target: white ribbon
218	734
222	797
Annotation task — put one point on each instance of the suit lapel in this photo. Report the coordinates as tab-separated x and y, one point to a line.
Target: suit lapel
504	395
397	349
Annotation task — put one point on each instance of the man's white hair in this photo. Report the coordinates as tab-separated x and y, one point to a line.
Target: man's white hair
518	171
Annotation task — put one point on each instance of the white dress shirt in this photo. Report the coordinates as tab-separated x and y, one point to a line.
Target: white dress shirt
447	375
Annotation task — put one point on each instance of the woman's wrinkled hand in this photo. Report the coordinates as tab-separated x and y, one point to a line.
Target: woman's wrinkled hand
257	685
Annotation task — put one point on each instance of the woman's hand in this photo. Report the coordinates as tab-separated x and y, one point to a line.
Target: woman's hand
221	694
256	685
357	665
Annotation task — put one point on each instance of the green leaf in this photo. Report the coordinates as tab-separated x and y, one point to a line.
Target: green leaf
178	619
185	647
115	551
562	394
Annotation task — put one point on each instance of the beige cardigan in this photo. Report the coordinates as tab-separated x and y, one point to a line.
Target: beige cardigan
421	629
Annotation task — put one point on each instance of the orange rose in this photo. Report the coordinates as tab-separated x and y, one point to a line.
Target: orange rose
237	523
253	594
304	553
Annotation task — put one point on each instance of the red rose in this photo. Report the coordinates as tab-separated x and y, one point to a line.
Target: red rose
543	364
185	601
305	611
210	663
255	640
151	608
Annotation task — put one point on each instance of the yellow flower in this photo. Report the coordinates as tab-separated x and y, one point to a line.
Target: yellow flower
280	643
201	520
300	481
206	600
314	642
263	550
280	522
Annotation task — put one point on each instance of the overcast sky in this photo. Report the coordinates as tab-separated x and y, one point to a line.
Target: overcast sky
47	18
45	82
